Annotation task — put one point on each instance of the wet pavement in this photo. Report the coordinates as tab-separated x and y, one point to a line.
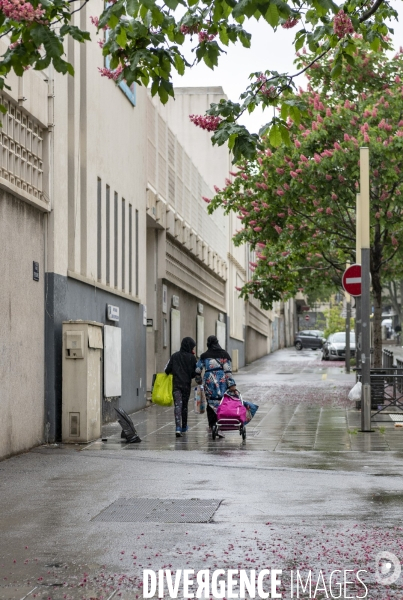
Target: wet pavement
306	490
303	405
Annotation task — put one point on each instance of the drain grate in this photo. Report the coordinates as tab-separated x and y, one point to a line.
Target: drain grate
156	510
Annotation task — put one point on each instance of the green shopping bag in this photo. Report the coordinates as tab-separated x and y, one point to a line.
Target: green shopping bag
162	390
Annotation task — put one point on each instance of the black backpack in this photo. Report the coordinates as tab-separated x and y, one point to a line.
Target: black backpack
129	432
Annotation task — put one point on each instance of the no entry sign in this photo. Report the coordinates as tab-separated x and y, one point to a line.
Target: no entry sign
307	317
352	280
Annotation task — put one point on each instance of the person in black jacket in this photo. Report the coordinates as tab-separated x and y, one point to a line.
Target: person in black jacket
182	365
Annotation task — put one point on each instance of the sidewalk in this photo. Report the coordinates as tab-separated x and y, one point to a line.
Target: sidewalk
303	406
303	492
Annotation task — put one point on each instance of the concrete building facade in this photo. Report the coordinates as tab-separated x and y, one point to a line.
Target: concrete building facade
186	248
96	238
101	206
24	209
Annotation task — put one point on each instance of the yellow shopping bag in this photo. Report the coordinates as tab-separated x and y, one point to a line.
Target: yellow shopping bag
162	390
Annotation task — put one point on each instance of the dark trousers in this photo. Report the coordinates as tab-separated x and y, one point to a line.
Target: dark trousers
211	416
181	401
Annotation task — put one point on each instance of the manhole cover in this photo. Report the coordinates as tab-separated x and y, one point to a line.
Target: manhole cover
155	510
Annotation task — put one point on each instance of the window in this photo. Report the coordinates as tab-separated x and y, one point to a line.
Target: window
130	249
108	235
129	92
116	239
99	229
123	242
137	252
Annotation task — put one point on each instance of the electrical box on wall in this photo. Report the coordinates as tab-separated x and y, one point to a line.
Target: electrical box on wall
112	361
175	301
74	344
81	388
200	308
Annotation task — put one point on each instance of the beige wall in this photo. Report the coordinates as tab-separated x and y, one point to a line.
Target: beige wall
98	134
24	202
213	162
21	326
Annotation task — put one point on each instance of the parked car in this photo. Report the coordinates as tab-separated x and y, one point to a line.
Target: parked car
335	346
310	338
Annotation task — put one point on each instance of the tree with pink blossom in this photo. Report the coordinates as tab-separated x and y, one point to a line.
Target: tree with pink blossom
301	198
146	45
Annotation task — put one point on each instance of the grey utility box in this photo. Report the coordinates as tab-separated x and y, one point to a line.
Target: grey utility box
81	390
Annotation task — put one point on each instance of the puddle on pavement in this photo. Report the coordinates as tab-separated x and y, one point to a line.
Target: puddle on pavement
385	497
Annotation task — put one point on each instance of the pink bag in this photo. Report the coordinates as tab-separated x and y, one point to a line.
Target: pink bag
231	409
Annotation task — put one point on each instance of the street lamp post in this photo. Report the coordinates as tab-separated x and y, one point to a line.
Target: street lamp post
365	293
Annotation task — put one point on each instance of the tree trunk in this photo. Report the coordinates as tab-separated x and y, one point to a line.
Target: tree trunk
377	329
395	294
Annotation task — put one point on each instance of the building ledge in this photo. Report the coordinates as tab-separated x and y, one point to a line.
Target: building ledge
42	205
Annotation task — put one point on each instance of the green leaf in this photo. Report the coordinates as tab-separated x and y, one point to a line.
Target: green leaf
285	109
121	38
62	66
42	63
275	136
337	70
231	141
154	87
179	38
179	64
132	7
264	129
244	38
272	16
285	135
3	109
299	43
295	114
223	35
349	59
163	94
375	44
244	8
113	21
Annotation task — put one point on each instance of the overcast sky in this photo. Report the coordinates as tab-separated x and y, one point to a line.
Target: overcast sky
269	50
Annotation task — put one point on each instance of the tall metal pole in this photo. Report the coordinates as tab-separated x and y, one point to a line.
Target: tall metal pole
365	292
358	298
348	323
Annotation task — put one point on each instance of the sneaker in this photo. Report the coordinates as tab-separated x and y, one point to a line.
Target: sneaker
220	435
178	432
185	429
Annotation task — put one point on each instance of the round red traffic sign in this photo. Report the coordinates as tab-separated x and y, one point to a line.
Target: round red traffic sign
307	317
352	280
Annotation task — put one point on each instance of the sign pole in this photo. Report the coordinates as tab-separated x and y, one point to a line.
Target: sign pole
358	298
365	297
348	320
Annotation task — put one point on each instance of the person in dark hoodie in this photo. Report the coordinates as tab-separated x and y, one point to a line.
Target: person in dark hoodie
182	365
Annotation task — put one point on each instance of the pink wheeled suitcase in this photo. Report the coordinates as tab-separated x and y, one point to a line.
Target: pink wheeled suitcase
231	416
231	408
